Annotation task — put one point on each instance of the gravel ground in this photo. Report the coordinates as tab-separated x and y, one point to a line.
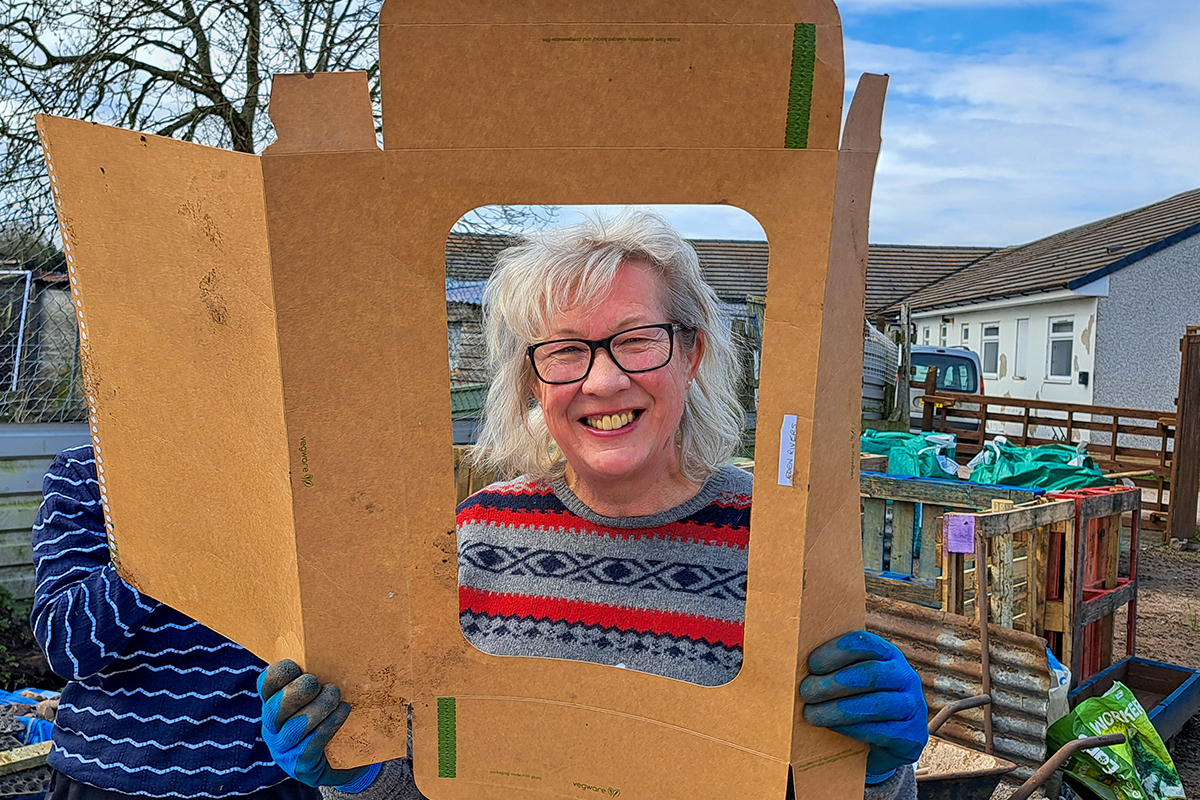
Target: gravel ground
1169	630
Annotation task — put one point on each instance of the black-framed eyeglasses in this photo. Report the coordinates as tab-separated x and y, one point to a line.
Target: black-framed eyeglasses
642	349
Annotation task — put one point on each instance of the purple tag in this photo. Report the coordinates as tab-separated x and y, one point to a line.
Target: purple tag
960	533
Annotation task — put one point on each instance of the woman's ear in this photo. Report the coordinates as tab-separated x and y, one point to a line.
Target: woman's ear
536	387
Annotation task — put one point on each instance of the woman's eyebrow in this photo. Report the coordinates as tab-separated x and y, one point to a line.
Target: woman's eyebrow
634	321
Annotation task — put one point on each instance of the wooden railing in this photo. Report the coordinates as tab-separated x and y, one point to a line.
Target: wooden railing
1133	443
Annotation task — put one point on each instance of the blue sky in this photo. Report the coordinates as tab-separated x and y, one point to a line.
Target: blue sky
1009	120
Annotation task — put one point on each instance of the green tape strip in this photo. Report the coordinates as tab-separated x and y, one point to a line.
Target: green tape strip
447	725
804	61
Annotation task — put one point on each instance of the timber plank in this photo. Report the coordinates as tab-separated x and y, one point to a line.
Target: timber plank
903	521
918	592
1023	518
25	757
873	520
931	528
960	494
1104	606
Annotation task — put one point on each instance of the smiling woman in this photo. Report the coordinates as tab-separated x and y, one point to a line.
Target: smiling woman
613	400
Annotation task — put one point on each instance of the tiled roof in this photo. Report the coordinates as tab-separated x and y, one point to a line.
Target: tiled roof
1070	259
472	256
738	268
894	271
733	269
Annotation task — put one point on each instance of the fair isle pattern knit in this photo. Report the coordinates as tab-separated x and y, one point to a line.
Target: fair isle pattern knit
158	705
541	574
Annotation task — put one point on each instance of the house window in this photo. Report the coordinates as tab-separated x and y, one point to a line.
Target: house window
1021	357
926	335
1062	335
966	334
942	336
991	348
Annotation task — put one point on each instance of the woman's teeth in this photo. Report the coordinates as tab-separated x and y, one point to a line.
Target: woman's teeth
610	422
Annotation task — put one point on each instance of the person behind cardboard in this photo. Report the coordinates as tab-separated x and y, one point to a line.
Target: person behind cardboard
624	540
157	705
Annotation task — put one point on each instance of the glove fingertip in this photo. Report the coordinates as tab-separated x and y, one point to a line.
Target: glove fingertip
276	676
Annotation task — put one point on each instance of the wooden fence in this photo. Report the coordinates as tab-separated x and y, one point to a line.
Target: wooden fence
1143	445
26	451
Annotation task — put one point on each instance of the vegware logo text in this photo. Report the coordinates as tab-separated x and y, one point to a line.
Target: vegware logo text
610	791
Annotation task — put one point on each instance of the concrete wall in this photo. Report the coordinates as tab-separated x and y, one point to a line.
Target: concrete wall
1139	325
25	454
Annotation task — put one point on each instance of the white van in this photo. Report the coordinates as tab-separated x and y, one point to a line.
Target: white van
959	371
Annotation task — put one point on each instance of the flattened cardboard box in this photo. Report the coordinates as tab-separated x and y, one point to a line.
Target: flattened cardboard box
266	368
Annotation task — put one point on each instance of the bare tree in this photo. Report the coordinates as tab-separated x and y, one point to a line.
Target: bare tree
197	70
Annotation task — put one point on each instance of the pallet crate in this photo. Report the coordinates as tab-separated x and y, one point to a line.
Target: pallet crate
901	518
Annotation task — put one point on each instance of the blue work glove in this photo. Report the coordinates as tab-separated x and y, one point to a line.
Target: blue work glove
863	687
299	718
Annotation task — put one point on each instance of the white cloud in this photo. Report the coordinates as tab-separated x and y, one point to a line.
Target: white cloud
1005	146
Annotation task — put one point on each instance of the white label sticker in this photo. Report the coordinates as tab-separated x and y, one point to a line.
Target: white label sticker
787	450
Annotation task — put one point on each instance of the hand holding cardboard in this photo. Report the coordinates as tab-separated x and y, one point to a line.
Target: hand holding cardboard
299	719
862	686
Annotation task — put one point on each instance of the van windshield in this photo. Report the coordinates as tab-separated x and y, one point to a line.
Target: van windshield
955	373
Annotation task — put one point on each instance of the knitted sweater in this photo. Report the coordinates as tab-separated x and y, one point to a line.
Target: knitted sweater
157	704
541	574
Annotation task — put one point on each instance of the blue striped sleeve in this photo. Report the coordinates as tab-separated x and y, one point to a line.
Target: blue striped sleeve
83	613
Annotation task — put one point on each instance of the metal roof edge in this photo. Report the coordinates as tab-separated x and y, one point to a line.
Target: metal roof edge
1134	257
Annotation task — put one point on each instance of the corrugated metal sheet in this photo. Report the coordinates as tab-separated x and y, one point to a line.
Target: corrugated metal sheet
944	650
1054	262
25	454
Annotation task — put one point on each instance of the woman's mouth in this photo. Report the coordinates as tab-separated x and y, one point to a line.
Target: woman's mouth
610	422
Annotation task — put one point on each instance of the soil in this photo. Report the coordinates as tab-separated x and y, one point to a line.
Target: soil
945	758
1169	630
21	662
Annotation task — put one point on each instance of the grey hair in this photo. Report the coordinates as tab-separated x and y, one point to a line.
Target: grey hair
543	275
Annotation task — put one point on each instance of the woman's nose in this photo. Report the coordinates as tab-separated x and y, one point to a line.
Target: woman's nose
605	375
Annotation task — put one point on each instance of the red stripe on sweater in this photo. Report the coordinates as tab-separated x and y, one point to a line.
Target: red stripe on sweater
713	631
565	520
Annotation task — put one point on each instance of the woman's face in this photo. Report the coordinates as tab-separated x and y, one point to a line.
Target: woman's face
649	404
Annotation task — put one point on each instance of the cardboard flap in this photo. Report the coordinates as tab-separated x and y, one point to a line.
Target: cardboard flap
832	530
321	112
523	12
864	120
166	244
534	73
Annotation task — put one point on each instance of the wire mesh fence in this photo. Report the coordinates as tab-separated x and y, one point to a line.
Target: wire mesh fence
40	375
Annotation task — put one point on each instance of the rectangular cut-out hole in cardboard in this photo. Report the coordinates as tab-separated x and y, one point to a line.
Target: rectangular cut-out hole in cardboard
541	572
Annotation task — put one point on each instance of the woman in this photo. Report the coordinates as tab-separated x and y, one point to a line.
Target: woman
613	398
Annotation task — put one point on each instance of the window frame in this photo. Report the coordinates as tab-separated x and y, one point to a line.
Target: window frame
1021	352
984	341
1051	338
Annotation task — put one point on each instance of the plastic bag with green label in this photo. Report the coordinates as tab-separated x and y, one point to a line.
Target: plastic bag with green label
1140	769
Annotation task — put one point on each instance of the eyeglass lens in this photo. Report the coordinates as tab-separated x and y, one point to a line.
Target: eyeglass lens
638	350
